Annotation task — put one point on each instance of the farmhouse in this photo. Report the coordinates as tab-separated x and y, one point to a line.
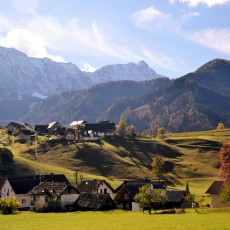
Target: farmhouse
14	127
25	135
96	186
93	202
41	129
53	126
214	190
20	186
52	196
126	193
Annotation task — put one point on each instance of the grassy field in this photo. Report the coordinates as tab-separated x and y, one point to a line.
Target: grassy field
205	219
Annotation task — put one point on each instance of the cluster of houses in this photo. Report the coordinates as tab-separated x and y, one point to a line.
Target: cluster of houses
77	130
55	193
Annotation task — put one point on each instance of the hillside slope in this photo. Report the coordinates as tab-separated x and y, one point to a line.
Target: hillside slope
186	155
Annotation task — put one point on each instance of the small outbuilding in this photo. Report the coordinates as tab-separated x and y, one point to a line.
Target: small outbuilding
93	202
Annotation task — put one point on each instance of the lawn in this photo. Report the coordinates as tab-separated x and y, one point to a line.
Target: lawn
205	219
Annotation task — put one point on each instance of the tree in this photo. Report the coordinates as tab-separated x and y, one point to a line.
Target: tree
187	187
224	156
6	156
158	167
159	199
161	131
144	197
8	206
151	198
122	127
225	194
220	125
131	130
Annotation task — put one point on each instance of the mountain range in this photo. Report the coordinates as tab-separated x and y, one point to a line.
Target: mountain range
196	101
41	91
25	80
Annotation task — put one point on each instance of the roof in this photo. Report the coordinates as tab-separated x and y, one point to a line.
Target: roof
26	132
22	185
132	188
215	187
2	182
92	186
50	188
175	195
100	127
16	124
41	128
93	201
75	123
52	124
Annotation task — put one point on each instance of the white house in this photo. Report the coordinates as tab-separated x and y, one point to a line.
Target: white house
19	187
214	191
96	186
52	196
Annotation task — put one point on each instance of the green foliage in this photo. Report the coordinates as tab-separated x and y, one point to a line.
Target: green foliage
225	194
6	156
158	167
144	197
190	198
9	206
151	198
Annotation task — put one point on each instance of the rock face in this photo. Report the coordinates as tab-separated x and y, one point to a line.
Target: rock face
23	75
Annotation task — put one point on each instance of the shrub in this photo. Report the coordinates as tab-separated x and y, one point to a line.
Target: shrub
6	156
9	206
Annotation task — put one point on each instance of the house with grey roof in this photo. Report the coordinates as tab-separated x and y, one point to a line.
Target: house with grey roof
93	202
214	192
20	186
52	196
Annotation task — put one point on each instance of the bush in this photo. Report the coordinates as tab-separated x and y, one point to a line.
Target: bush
6	156
9	206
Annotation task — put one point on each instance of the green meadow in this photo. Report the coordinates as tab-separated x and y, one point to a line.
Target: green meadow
204	219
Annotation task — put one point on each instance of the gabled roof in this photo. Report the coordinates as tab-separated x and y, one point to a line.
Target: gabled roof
215	187
52	124
41	128
92	186
175	196
93	201
50	188
26	132
76	123
22	185
132	188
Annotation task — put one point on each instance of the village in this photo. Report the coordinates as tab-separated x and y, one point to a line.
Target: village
45	193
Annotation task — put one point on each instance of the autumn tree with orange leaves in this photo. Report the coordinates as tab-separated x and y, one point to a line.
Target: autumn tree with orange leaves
224	156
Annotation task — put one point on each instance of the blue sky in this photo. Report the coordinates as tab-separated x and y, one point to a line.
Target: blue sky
173	36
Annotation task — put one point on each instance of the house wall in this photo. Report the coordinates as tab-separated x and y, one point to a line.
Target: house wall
216	203
22	136
102	188
136	206
70	136
7	191
68	199
24	199
13	129
39	203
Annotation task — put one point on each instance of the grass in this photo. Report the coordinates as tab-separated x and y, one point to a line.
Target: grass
205	219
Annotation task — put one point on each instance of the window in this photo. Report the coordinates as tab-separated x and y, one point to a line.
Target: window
23	201
105	190
101	190
8	192
34	198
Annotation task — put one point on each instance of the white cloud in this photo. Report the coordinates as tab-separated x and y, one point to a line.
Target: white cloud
217	39
26	42
209	3
26	6
150	17
88	68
